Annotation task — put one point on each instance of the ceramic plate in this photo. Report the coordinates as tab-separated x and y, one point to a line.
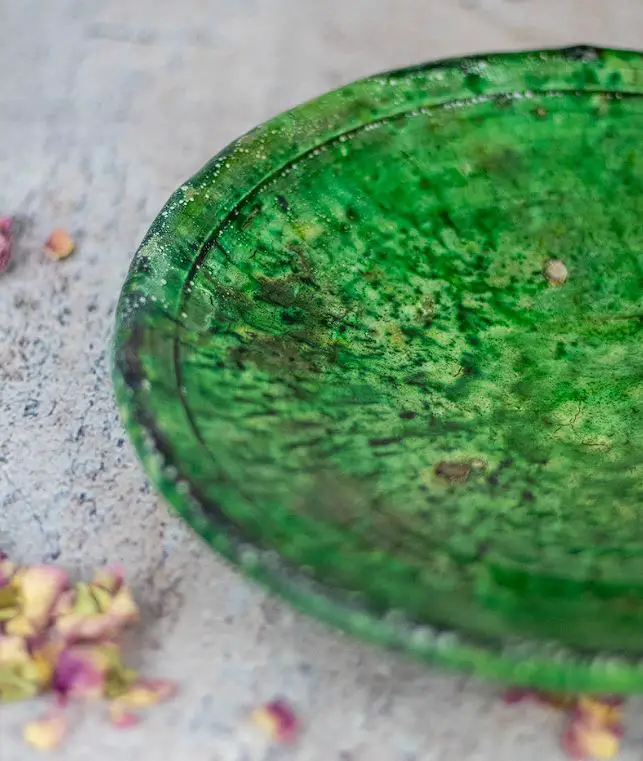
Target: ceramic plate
384	353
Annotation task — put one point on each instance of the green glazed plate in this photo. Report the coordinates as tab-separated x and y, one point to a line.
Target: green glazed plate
384	353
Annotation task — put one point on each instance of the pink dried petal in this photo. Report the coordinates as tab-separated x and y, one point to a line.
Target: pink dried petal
278	719
122	718
65	603
110	578
39	587
59	245
46	733
81	671
145	692
5	242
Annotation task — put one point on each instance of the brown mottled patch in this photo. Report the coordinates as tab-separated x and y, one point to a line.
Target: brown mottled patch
452	470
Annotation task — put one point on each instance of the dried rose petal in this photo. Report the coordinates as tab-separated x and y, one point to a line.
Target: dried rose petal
39	587
13	651
47	732
7	571
80	671
82	625
278	719
5	242
85	603
64	604
9	599
59	245
13	686
110	578
102	598
144	693
121	718
39	670
582	742
603	711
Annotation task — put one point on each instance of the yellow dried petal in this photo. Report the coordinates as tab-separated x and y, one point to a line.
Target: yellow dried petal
46	733
6	614
144	693
102	598
13	686
8	597
39	670
119	680
85	603
110	579
599	711
59	245
7	570
123	606
13	651
20	625
39	588
600	744
83	627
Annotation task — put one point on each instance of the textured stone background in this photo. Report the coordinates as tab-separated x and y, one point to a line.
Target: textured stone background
105	107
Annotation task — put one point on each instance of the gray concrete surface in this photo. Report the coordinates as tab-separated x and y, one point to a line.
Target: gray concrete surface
105	107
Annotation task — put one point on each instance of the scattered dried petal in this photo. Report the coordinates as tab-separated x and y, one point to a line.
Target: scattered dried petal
8	602
59	245
64	604
38	587
81	671
13	651
5	243
121	717
13	686
47	732
87	621
110	578
7	571
584	742
144	693
278	719
605	711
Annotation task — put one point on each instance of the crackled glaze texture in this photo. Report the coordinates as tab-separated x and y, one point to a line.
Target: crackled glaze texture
344	349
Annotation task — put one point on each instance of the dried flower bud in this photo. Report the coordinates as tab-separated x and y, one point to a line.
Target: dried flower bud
59	245
278	719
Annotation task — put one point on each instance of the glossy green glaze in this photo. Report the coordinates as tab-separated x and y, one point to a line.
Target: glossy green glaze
346	358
